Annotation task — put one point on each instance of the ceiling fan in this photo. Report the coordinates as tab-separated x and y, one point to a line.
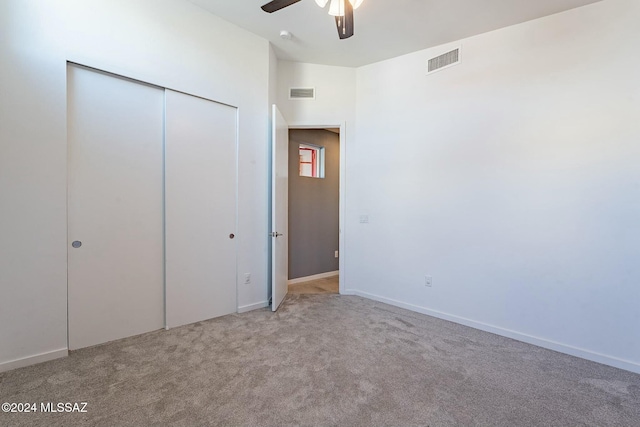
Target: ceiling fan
341	9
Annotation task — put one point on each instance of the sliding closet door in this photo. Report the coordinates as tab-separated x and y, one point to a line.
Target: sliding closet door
200	180
115	205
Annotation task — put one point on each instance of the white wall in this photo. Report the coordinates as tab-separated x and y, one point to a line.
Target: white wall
166	42
335	93
521	193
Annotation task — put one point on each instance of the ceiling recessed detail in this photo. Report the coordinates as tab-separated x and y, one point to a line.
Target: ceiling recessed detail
385	29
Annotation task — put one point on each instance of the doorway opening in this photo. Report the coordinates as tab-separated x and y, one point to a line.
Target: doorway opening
314	210
279	206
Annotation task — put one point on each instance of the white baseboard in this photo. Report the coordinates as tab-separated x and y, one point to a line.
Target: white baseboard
540	342
314	277
32	360
251	307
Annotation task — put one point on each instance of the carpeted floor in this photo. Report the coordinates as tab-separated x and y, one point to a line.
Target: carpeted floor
324	360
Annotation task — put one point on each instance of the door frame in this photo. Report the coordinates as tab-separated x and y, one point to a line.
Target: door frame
343	190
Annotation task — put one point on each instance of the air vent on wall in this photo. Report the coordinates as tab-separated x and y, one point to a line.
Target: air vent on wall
302	93
443	61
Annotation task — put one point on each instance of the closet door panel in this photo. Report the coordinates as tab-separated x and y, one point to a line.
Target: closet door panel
200	180
115	207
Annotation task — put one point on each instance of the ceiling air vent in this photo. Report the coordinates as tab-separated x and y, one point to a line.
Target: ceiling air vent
443	61
302	93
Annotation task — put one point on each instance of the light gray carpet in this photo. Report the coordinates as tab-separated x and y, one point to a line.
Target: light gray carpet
325	360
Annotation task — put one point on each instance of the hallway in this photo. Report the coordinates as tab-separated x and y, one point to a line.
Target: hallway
327	285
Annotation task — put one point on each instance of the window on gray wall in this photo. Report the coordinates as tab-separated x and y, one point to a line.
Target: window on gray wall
311	161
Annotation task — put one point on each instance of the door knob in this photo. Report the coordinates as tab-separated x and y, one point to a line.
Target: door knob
231	236
76	244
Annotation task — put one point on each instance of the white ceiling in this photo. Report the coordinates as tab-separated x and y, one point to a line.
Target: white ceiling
383	28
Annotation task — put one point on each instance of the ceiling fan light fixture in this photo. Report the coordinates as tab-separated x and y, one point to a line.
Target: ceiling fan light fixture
336	8
339	9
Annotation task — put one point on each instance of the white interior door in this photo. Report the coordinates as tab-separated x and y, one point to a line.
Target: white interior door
115	263
279	206
200	203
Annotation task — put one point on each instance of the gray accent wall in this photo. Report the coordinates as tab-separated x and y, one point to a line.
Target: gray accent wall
313	207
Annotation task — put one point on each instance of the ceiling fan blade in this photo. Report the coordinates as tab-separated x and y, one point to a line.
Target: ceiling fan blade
345	23
277	5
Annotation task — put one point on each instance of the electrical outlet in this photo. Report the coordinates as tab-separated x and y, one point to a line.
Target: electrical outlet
247	278
364	219
335	254
428	281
